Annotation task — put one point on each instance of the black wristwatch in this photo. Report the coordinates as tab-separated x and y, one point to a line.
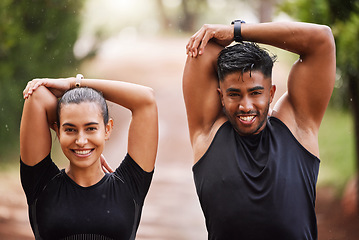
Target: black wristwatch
237	30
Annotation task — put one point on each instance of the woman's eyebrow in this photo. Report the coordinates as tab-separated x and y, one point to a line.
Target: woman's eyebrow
68	124
73	125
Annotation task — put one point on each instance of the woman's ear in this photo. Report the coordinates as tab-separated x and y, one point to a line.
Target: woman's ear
108	129
56	129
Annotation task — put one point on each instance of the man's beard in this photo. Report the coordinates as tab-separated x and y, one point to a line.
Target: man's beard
232	120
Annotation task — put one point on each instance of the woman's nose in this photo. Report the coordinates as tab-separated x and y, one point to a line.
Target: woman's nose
81	139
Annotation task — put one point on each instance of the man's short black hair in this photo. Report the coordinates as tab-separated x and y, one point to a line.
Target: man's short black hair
244	57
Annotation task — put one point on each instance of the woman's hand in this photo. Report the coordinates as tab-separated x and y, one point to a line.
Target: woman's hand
221	34
105	167
56	86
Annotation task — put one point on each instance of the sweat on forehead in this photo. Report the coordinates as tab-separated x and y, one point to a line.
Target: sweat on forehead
83	94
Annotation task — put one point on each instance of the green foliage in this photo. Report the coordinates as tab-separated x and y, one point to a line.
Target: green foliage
320	11
343	18
336	144
347	34
37	39
307	11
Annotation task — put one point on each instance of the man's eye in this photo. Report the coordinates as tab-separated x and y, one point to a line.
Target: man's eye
91	129
69	130
233	94
256	93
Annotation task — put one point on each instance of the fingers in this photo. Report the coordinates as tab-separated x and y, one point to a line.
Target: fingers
32	86
197	42
222	34
105	167
56	86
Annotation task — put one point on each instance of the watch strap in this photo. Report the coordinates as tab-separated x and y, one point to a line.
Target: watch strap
237	30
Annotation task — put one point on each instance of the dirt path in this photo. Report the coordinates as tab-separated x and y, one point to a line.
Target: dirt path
172	210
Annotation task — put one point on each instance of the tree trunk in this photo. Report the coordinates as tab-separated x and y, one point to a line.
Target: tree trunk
354	97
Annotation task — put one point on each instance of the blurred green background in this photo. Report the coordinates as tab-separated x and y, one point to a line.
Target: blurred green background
56	38
51	38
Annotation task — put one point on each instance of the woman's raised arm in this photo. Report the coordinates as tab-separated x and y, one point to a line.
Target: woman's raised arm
39	113
140	100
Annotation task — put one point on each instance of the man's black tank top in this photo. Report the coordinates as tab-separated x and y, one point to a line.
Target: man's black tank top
258	187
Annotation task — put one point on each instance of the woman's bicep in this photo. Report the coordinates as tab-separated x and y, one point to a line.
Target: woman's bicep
35	136
143	136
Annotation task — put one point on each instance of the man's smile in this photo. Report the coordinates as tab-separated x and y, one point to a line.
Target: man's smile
247	119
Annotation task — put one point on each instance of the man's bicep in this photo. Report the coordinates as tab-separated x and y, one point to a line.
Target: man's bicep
200	93
310	85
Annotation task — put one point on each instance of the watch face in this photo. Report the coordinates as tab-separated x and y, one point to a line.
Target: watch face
237	20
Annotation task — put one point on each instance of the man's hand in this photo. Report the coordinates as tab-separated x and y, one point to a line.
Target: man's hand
221	34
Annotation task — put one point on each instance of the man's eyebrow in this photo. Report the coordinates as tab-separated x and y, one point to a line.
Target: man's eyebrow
249	90
233	90
255	88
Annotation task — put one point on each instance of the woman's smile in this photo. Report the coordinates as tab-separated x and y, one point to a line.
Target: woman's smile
83	152
82	133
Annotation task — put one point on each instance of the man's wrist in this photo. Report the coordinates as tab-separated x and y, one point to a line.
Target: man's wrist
237	30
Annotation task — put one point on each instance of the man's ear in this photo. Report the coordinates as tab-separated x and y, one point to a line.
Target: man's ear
108	129
220	95
272	92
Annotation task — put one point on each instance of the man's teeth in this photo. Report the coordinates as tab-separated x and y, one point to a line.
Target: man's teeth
247	118
83	152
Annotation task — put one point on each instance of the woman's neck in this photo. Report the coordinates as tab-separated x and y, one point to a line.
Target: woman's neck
85	177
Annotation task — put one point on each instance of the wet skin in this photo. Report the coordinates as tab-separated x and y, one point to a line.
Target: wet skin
245	99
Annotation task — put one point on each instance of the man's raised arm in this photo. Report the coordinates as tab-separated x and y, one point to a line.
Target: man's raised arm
311	79
202	101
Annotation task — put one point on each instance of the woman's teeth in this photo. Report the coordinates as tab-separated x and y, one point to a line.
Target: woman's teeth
82	152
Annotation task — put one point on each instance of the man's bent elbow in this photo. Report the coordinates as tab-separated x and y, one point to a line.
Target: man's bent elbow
326	38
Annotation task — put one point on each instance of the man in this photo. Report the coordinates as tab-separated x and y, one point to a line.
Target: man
256	175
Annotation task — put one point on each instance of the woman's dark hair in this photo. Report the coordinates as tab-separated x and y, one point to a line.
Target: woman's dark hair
244	57
83	94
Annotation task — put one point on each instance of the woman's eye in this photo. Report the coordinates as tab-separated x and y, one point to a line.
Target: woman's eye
69	130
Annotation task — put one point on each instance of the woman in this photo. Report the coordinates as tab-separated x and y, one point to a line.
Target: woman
82	201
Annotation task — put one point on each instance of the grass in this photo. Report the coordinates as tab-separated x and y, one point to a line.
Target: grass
337	154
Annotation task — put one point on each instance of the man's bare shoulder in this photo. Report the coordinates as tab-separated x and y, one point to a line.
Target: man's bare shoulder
203	138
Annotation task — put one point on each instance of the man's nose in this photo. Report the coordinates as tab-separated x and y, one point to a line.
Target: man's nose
245	105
